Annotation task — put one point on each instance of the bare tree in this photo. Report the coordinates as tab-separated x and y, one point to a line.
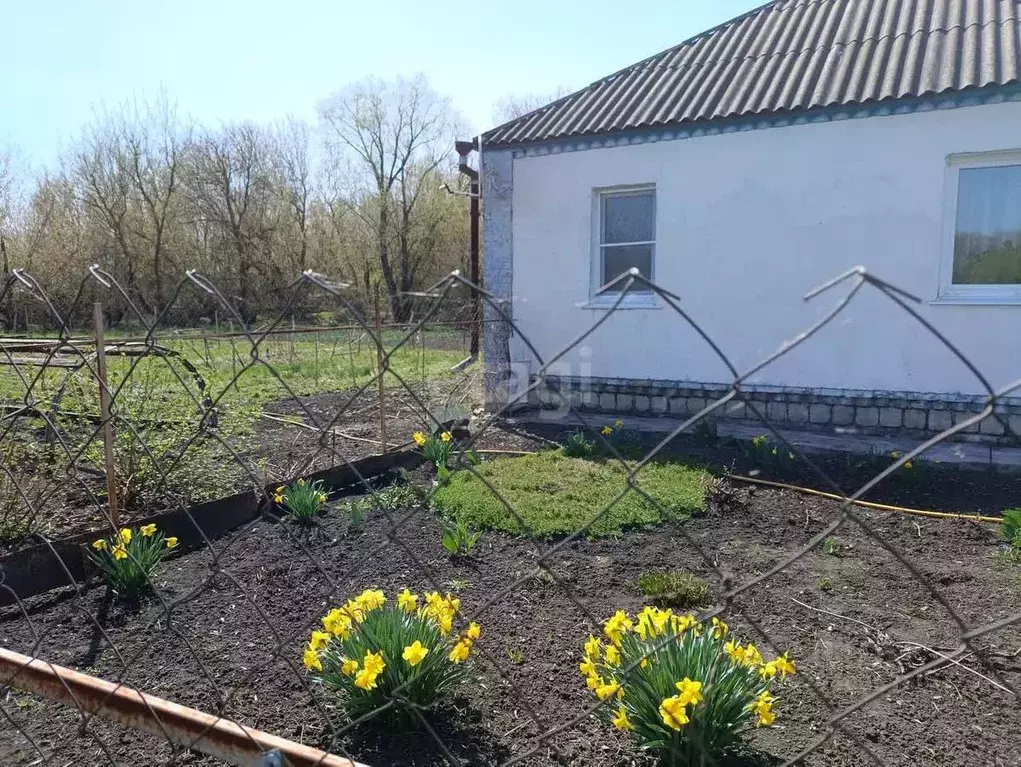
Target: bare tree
152	150
295	183
394	136
230	188
517	105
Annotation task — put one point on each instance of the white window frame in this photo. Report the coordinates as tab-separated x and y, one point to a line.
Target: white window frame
948	293
636	299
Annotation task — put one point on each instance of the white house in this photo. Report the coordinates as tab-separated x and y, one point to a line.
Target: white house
743	168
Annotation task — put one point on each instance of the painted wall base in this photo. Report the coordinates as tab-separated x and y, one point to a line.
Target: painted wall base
886	413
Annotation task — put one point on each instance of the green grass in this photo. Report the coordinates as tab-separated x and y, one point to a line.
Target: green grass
343	361
555	495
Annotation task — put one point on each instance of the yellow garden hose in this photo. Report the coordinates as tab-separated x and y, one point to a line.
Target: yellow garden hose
866	504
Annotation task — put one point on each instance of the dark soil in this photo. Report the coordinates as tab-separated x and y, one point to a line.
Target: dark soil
268	585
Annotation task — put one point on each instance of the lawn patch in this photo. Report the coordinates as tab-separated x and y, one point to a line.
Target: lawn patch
555	494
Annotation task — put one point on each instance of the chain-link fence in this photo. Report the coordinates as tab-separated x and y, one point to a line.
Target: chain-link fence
272	481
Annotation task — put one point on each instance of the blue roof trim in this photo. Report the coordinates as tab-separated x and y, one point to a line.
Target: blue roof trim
955	100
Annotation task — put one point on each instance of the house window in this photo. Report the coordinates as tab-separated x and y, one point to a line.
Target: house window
627	237
982	236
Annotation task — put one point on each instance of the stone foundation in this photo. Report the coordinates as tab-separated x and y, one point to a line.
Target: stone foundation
865	412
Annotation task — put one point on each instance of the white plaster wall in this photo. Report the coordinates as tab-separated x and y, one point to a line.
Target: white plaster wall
746	224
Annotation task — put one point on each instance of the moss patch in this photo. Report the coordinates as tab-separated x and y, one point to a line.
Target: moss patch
557	495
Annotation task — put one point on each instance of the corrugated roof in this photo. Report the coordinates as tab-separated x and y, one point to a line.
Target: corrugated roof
793	55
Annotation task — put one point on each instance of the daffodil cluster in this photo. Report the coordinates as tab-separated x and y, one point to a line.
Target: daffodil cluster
302	500
684	688
129	558
435	448
372	650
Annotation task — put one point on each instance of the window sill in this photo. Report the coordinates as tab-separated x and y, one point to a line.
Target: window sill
977	300
649	301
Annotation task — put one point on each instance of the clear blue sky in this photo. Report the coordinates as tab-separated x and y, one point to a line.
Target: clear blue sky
224	60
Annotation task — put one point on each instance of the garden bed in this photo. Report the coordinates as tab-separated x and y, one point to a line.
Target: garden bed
531	641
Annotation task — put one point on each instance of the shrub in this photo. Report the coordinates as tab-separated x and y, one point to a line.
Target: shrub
684	689
129	559
20	492
627	442
303	500
157	455
720	494
676	588
436	448
1011	529
775	459
579	447
459	539
832	546
370	647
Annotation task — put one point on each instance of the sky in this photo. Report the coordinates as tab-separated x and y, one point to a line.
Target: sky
264	60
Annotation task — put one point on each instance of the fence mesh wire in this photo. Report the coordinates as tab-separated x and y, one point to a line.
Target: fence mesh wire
197	417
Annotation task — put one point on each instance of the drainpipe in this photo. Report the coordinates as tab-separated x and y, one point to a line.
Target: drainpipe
464	149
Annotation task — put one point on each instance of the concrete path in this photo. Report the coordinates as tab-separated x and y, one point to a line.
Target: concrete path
970	455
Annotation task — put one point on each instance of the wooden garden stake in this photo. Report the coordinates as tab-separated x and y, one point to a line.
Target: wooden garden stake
104	414
379	366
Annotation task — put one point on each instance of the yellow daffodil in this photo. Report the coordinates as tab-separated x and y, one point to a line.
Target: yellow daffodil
460	652
593	648
763	708
608	690
752	657
278	498
689	691
593	681
119	552
337	622
445	623
768	670
126	535
301	483
785	666
908	464
446	436
319	640
147	531
618	625
349	667
673	713
621	720
734	650
474	630
322	497
172	542
607	431
619	424
370	599
587	668
280	490
681	623
366	680
311	660
414	653
373	662
354	610
644	663
407	601
419	438
612	655
100	545
719	629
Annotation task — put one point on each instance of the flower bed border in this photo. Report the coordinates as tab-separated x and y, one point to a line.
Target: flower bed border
61	563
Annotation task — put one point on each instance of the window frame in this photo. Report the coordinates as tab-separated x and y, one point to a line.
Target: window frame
948	292
644	299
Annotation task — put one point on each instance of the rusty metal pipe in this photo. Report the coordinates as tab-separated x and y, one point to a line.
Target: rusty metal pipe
186	727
